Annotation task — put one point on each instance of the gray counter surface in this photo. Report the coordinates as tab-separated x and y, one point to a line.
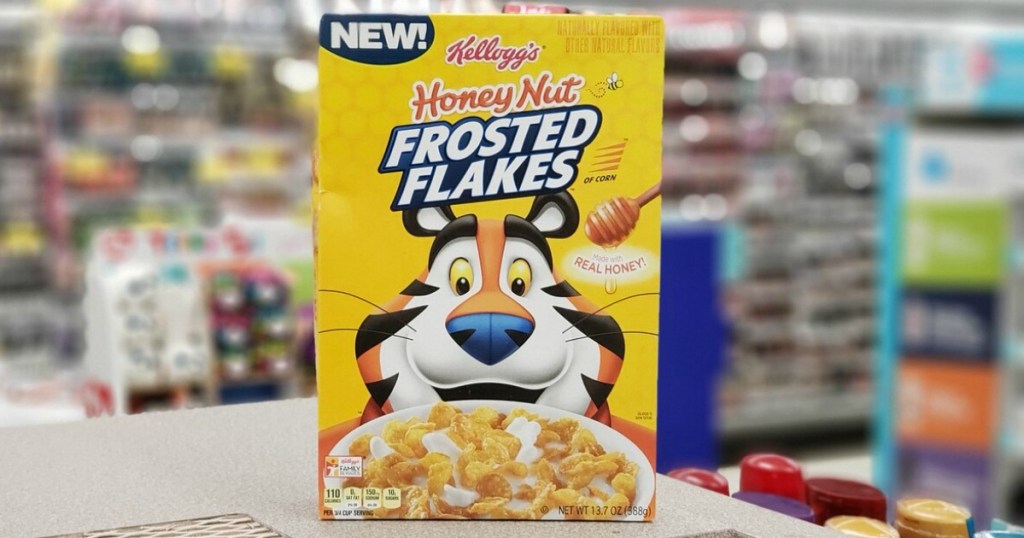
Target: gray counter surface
260	459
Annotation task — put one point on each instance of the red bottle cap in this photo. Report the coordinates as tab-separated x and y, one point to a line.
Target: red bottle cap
702	478
772	473
830	497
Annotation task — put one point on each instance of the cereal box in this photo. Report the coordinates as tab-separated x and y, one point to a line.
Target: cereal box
488	229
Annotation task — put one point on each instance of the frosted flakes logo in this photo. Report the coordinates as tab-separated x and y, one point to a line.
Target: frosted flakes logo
490	50
475	159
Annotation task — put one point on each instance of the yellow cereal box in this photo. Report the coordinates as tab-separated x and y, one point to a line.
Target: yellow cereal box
488	232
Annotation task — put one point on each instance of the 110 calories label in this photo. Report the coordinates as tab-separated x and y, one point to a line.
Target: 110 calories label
368	498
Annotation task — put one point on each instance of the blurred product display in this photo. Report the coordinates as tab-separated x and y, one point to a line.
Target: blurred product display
193	317
948	382
170	114
37	326
769	134
23	263
151	120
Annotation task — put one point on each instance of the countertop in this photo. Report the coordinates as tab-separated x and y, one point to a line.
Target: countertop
260	459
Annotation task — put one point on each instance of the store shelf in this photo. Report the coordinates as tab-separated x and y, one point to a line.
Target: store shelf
250	41
164	387
257	379
889	13
791	411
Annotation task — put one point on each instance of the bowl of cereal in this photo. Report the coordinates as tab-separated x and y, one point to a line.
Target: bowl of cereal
490	459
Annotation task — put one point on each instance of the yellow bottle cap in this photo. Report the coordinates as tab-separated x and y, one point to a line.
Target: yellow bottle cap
932	516
865	527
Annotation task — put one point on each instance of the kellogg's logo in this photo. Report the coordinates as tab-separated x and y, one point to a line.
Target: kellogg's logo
490	50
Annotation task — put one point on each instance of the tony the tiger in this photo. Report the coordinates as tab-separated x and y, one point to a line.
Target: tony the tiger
490	319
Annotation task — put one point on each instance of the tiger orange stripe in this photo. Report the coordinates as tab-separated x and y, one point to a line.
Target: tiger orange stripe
371	411
602	414
490	242
369	364
611	365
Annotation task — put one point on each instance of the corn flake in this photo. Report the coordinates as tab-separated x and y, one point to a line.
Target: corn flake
487	505
438	475
520	412
625	484
494	485
360	446
442	413
474	471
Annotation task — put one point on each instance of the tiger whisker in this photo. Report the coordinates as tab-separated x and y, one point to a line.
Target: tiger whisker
611	333
609	305
350	294
322	331
365	300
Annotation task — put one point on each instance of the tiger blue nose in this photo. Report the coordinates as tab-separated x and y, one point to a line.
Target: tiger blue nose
490	338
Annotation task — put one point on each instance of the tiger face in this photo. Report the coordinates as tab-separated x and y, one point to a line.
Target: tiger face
490	318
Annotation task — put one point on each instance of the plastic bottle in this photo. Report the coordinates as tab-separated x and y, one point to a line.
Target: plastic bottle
864	527
830	497
932	518
702	478
772	473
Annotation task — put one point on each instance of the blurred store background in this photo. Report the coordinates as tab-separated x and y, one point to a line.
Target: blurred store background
842	180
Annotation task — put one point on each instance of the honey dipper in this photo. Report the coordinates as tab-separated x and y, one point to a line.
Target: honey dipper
611	222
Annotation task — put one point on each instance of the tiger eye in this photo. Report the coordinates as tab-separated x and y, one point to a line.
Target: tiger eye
520	276
460	276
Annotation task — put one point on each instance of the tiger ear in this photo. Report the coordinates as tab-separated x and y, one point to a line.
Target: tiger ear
427	221
555	215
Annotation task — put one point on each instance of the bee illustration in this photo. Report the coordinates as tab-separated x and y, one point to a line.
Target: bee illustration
613	81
